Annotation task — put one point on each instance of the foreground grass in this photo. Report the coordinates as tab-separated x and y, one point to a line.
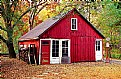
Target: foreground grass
17	69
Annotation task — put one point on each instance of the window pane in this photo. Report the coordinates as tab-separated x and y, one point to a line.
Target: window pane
73	26
98	45
64	48
53	41
57	42
63	43
53	54
65	52
57	55
98	48
55	48
66	43
98	42
74	21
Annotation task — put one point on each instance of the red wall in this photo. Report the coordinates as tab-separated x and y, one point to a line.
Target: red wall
82	40
28	42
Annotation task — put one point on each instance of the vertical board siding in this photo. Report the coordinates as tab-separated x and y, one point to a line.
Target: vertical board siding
83	49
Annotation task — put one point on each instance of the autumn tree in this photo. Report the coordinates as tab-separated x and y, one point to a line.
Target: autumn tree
11	14
33	14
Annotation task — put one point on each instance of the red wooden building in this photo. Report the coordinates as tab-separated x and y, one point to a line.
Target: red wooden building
66	38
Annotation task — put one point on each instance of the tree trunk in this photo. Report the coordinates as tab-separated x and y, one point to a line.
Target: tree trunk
12	53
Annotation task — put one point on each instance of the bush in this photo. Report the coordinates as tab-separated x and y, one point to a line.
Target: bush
117	56
115	51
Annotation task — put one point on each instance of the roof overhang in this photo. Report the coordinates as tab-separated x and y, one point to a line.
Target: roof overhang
28	39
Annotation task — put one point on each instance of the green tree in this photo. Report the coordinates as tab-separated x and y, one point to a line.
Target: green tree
110	20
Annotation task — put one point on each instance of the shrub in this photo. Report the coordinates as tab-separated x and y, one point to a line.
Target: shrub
117	56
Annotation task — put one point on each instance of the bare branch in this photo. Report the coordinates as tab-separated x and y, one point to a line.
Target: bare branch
41	8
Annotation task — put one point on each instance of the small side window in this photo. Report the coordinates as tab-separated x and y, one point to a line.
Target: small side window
73	23
97	45
21	46
45	42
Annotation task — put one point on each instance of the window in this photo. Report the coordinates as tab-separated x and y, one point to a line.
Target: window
64	48
73	23
55	48
21	46
45	42
98	45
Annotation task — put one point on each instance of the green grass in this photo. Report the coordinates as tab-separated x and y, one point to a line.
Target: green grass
117	56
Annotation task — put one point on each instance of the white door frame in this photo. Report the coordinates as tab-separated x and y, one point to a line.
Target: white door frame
98	53
60	47
60	51
53	60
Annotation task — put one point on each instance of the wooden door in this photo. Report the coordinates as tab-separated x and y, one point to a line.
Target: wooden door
45	52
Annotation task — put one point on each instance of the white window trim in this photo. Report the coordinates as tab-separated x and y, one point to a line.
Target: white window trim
76	24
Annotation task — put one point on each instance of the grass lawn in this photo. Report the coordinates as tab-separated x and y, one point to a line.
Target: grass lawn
17	69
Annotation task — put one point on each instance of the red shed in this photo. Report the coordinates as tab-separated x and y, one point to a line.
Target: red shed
66	38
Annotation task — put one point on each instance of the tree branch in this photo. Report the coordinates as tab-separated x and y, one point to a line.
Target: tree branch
41	9
4	40
21	17
26	13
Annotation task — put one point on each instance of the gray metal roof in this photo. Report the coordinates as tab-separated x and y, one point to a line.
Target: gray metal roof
39	29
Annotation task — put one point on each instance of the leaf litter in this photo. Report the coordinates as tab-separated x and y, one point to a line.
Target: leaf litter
17	69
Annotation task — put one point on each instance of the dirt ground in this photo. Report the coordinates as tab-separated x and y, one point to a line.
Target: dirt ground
17	69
